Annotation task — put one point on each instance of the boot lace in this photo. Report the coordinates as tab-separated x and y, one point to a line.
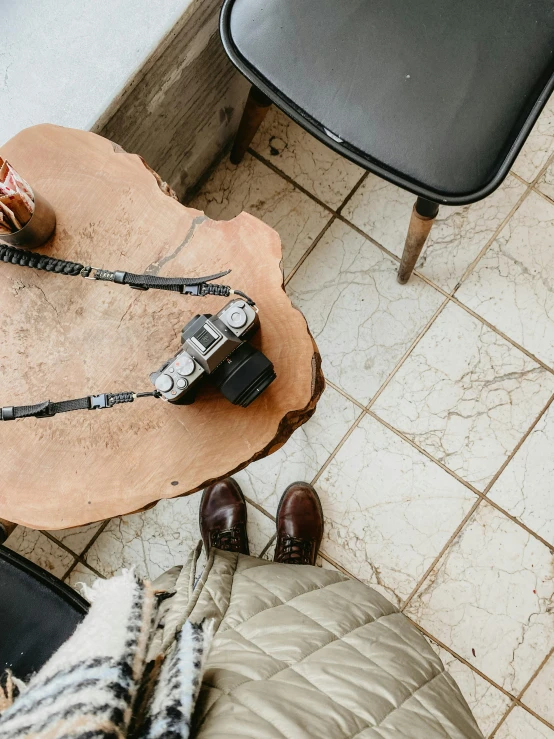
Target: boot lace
295	551
229	540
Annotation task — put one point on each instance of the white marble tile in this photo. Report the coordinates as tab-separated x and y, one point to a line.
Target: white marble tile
388	509
491	599
162	537
304	159
487	703
255	188
361	318
41	550
152	541
383	211
539	696
524	488
81	575
546	182
260	529
304	453
465	395
512	286
538	147
522	725
76	538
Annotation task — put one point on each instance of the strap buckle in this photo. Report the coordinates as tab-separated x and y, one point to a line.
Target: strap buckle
92	272
99	401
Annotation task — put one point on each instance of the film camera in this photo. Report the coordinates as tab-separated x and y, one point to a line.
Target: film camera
216	346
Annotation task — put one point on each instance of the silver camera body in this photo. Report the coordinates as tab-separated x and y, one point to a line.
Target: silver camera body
217	346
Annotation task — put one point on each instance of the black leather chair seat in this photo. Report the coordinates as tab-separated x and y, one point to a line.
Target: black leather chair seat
38	613
435	95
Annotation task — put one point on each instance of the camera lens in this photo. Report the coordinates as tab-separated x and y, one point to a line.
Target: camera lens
244	375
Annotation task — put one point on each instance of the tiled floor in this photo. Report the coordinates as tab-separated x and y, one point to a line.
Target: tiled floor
433	446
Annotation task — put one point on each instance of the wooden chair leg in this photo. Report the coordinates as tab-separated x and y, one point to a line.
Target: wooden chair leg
423	217
6	528
255	111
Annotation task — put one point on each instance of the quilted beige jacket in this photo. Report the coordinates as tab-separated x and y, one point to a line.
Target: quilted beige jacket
303	652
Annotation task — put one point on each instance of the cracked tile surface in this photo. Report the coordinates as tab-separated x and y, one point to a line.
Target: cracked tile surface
152	541
539	696
388	509
255	188
76	538
383	211
305	160
522	725
81	575
304	453
512	286
487	703
491	599
158	539
523	489
538	147
41	550
361	318
465	395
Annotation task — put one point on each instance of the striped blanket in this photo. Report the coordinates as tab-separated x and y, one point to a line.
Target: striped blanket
104	682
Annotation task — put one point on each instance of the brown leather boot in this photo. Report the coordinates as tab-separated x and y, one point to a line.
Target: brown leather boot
223	517
299	525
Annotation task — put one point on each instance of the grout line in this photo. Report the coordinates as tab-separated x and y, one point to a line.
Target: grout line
95	537
395	258
353	191
542	170
407	353
309	250
518	446
534	675
63	546
344	394
289	179
69	570
337	449
520	178
259	507
476	491
427	454
511	707
543	195
451	297
440	555
471	267
461	659
267	546
496	330
517	704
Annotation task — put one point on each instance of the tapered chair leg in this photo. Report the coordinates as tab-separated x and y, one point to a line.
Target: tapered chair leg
6	528
421	222
255	110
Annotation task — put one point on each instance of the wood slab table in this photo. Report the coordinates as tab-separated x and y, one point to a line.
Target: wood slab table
64	337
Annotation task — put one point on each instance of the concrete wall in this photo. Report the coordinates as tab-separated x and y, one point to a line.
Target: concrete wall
183	108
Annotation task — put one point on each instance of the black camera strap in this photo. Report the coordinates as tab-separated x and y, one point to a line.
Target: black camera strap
46	409
185	285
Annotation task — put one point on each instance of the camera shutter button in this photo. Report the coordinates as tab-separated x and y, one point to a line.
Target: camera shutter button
164	383
237	318
184	366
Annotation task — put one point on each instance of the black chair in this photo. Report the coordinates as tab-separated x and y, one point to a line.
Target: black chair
437	96
38	613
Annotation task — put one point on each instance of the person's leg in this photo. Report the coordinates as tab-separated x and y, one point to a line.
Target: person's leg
299	525
223	517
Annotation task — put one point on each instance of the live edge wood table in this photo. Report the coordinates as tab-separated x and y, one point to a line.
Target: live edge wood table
64	337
